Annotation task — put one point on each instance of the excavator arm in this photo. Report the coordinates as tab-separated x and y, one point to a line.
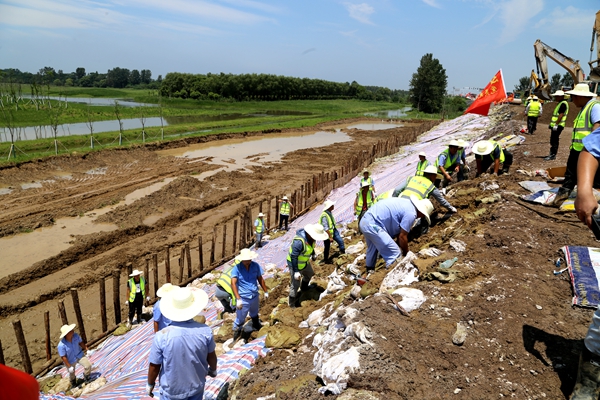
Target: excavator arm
595	70
542	51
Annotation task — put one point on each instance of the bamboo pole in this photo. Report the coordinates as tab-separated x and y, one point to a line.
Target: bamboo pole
47	326
77	308
212	246
188	256
223	249
22	346
168	265
155	272
62	312
200	253
116	300
102	287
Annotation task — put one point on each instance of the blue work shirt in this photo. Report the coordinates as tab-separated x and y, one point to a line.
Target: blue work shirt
157	316
247	279
297	249
393	214
181	349
71	349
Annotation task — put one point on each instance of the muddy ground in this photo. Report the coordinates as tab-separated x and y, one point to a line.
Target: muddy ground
524	337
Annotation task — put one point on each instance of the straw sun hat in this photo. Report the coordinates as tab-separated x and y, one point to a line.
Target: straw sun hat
183	304
483	147
246	254
165	289
424	206
135	273
581	89
316	231
423	154
66	329
328	205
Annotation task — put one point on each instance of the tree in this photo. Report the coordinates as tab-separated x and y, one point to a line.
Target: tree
567	80
117	77
523	84
428	85
146	76
555	82
134	77
80	73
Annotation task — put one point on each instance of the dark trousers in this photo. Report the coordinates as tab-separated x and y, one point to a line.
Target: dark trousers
459	176
531	124
487	162
554	139
327	244
136	307
283	218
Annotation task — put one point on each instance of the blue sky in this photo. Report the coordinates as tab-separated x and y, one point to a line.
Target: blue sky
375	42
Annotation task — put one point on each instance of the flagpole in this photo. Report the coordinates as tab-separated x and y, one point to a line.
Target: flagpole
503	85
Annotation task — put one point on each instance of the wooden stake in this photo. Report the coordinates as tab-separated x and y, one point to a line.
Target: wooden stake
277	211
200	253
235	224
77	308
212	246
1	354
260	207
155	272
268	217
181	262
168	265
62	312
223	250
248	225
48	344
147	274
102	287
129	268
22	346
188	256
116	300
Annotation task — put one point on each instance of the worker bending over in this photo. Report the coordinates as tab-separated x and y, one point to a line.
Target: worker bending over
489	153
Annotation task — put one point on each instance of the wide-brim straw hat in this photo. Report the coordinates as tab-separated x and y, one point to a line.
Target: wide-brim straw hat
261	214
246	254
284	198
430	169
534	98
136	273
424	206
66	329
422	154
558	93
462	143
165	289
316	231
581	89
183	304
454	143
328	205
483	147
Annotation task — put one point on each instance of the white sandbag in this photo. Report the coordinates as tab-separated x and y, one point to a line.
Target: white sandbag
411	298
316	317
355	248
402	274
95	385
458	245
359	330
493	185
430	252
339	367
335	284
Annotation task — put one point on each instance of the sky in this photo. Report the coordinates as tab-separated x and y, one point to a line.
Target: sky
373	42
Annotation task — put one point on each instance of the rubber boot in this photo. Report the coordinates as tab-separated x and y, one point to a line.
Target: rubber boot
550	157
505	170
304	285
237	333
292	301
256	323
562	194
587	386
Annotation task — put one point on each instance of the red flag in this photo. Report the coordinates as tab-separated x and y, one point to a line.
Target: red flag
493	92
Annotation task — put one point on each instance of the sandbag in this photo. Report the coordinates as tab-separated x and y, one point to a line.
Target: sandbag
282	337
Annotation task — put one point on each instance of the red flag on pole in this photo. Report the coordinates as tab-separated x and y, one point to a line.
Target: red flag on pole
492	93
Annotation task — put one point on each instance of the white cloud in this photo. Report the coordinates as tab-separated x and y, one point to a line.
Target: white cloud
515	14
348	33
360	12
254	4
432	3
569	21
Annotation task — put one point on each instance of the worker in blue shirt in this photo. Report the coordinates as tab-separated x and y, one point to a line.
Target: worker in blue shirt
71	350
160	321
184	352
245	277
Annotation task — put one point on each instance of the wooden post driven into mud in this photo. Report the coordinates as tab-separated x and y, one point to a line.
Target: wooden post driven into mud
200	253
277	211
155	272
249	225
181	261
77	308
268	216
1	354
116	296
188	256
147	275
168	265
129	268
233	246
102	287
62	312
47	327
223	249
212	246
22	346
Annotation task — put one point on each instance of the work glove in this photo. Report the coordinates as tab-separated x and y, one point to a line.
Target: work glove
149	389
297	276
452	210
313	257
89	353
212	372
266	295
71	369
555	128
148	299
126	302
239	304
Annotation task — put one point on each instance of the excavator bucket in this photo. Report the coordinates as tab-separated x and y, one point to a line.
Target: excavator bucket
595	74
543	92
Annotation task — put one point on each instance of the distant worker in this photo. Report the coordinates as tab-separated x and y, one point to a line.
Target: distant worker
423	188
528	100
259	227
224	290
284	212
386	226
328	222
136	289
422	164
301	251
364	200
246	276
489	153
558	122
448	162
71	350
533	111
586	121
184	352
160	321
368	179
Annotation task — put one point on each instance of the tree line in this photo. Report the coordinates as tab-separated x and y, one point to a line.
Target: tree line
557	82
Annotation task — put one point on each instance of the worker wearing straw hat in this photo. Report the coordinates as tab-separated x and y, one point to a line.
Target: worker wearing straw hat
489	153
245	278
448	162
259	228
422	164
285	208
367	178
423	188
363	201
533	111
557	123
71	350
160	321
301	251
136	292
328	222
184	352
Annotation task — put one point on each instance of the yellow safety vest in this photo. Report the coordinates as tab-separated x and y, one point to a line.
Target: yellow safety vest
285	208
225	282
260	226
534	109
369	180
421	165
496	144
450	160
582	126
359	202
132	288
563	120
304	256
330	221
418	186
385	195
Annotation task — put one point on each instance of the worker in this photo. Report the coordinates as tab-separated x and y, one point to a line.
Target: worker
244	278
587	385
533	111
364	199
301	250
284	212
224	291
328	222
386	226
136	288
587	120
184	352
71	350
422	164
423	188
160	321
557	123
259	227
489	153
447	163
368	179
528	100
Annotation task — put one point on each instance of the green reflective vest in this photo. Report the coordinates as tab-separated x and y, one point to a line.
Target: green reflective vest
534	109
582	126
304	256
330	221
418	186
450	159
225	282
385	195
285	208
132	288
563	120
261	225
359	201
421	165
496	144
369	180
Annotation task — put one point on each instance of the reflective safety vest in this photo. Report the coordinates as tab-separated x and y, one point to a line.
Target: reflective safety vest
369	180
582	126
330	221
304	256
421	165
359	201
285	208
418	186
385	195
534	109
133	288
261	225
225	282
450	159
563	120
496	144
